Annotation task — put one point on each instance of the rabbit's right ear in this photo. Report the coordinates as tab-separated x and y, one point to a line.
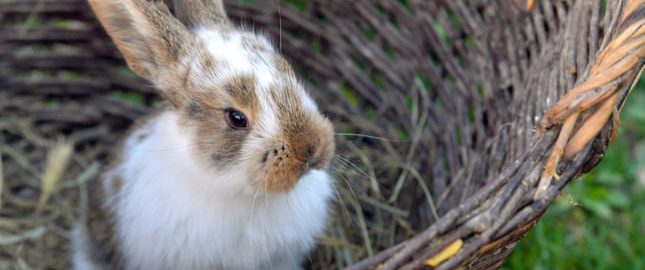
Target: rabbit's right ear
145	32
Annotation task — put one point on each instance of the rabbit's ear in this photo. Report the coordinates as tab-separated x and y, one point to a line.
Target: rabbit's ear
145	32
196	13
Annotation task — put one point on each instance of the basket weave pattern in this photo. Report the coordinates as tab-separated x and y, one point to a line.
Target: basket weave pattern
451	95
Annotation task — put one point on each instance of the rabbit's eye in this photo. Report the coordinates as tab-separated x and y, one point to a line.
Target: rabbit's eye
236	119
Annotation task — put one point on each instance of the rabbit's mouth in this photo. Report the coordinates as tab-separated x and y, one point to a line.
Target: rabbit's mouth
283	175
283	167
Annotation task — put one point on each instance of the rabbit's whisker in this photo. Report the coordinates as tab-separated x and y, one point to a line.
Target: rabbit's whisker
255	197
351	165
339	197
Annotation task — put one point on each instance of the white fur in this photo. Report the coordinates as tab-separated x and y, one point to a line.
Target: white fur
233	58
172	213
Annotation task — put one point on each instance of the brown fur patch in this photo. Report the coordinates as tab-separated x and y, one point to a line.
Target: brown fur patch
242	89
283	66
208	63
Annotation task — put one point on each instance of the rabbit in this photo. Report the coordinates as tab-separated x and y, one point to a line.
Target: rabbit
232	173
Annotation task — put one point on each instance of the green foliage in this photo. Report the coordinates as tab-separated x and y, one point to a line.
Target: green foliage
132	98
600	221
31	22
316	47
68	75
424	80
441	32
301	5
349	95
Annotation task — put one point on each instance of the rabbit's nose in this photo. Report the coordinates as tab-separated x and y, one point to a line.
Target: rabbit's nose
288	152
315	153
319	155
316	148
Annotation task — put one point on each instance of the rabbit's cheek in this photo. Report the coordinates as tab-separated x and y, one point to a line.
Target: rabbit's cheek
224	149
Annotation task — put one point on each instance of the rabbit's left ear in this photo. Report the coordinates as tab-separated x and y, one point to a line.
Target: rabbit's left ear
149	37
196	13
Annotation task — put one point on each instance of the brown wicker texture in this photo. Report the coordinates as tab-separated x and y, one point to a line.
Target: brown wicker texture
438	107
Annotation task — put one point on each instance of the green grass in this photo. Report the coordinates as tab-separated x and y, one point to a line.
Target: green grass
599	222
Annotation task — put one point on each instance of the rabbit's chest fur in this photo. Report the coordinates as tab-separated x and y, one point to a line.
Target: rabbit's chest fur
171	213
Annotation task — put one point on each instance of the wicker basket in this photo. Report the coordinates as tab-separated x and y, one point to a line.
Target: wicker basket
439	107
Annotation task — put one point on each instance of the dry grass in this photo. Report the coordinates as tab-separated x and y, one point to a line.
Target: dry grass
42	181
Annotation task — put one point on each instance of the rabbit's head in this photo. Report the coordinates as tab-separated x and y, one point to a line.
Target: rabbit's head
240	100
